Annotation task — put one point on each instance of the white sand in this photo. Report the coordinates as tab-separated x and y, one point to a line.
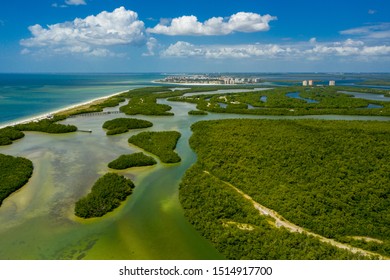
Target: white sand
44	116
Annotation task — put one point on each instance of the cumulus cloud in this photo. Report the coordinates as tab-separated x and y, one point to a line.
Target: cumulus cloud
75	2
91	35
311	50
189	25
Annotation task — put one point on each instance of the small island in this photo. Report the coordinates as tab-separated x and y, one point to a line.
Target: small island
106	195
162	144
123	125
133	160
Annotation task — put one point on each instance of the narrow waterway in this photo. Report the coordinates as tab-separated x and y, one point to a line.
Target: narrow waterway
37	222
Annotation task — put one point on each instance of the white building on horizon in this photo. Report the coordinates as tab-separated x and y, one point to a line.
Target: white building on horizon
304	83
332	83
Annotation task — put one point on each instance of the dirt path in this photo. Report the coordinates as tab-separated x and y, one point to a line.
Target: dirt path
279	221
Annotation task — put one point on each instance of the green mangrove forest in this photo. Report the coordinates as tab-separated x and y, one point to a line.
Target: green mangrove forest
106	195
48	126
276	101
161	144
9	134
12	133
329	177
14	174
132	160
123	125
197	113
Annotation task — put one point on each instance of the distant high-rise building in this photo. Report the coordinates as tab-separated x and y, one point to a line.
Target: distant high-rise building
332	83
310	83
304	83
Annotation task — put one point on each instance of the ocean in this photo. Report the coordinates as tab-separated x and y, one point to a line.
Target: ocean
28	95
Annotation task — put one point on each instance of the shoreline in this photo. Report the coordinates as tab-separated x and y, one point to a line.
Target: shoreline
45	115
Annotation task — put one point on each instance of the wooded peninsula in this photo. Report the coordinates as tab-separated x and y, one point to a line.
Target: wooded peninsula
329	177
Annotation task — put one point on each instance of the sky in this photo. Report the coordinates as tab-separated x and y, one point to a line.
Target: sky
177	36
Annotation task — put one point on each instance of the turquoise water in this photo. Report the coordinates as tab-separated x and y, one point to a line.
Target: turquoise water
26	95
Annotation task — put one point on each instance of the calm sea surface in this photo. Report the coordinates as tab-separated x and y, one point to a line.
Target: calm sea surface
26	95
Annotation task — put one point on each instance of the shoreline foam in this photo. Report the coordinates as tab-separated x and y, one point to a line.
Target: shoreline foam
45	115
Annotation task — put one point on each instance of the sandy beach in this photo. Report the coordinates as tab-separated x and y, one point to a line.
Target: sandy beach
45	115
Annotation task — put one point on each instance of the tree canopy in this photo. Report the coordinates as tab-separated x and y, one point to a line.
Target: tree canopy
14	174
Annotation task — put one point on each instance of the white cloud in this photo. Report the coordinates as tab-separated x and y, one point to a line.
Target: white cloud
25	51
75	2
376	31
56	5
185	49
151	45
311	50
91	35
189	25
371	12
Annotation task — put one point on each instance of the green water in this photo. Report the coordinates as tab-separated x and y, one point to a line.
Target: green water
37	222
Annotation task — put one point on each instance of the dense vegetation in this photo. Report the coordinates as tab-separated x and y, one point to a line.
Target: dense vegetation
330	177
97	106
329	101
122	125
162	144
106	195
14	173
146	106
237	230
197	112
46	125
133	160
9	134
144	101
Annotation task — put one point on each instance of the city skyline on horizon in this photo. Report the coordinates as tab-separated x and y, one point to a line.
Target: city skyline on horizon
81	36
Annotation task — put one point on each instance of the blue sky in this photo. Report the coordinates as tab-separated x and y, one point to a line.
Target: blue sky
195	36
